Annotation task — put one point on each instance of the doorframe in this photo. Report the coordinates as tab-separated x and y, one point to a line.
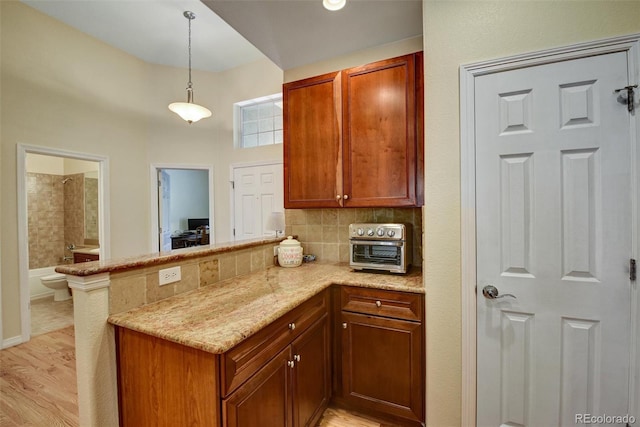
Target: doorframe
104	232
154	240
629	44
232	190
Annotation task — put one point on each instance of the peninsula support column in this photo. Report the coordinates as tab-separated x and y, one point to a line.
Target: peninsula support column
95	351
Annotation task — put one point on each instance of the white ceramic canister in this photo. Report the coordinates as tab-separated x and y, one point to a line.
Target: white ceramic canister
289	253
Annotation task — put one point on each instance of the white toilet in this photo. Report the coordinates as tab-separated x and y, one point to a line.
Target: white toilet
57	282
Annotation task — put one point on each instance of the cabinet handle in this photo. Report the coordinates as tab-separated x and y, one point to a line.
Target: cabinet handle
296	357
291	363
344	325
338	197
378	304
345	196
292	326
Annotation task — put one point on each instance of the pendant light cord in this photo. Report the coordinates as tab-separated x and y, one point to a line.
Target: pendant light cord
189	17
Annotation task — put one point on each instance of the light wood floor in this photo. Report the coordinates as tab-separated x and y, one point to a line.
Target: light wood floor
38	382
38	386
48	315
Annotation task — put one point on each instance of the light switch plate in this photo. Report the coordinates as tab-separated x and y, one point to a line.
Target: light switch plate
169	275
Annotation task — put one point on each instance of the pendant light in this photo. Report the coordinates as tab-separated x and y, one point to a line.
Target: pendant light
333	4
189	111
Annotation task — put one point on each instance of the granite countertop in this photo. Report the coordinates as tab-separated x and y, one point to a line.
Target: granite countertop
130	263
217	317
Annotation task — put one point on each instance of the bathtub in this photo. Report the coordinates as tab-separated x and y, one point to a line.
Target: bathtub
36	289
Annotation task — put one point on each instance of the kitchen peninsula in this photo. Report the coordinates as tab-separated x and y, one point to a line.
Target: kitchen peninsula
223	339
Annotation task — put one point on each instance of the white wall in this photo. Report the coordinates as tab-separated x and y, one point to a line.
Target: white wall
189	191
463	32
65	90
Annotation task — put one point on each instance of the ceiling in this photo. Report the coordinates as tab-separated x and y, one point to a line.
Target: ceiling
291	33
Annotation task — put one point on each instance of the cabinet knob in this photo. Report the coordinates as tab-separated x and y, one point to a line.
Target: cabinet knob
292	326
378	304
345	196
296	357
338	197
291	363
344	325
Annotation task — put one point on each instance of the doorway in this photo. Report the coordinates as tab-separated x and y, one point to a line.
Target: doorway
257	192
555	231
183	206
62	211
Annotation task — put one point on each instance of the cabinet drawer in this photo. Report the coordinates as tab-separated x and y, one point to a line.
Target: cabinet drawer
398	305
245	359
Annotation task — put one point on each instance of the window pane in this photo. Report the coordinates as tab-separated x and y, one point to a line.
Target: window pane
260	122
250	140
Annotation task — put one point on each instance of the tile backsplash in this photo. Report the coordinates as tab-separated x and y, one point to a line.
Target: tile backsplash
325	232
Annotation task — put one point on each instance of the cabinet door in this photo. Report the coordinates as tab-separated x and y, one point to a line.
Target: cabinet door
265	399
382	365
311	380
380	140
312	142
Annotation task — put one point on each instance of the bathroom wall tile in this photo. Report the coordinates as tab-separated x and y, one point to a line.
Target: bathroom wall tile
209	272
269	258
364	215
300	231
313	248
383	215
126	293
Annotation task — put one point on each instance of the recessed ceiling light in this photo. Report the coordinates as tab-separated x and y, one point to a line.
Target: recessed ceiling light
334	4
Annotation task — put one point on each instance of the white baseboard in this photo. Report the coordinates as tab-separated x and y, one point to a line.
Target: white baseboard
42	295
10	342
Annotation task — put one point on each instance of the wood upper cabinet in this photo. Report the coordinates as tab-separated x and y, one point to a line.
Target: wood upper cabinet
313	142
354	138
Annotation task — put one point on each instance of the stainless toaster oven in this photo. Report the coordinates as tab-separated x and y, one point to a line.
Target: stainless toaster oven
384	247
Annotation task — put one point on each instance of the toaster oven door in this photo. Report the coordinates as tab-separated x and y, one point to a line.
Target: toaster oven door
377	254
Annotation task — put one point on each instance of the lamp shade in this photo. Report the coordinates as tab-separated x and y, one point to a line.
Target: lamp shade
275	221
333	4
189	111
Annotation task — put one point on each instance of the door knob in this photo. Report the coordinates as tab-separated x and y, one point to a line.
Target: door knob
491	292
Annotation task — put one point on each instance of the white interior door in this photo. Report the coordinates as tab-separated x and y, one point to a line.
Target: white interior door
258	191
164	210
553	189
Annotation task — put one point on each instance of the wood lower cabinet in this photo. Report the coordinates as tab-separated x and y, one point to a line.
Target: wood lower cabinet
382	358
354	138
280	376
291	390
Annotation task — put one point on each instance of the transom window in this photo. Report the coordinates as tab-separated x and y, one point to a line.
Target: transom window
258	121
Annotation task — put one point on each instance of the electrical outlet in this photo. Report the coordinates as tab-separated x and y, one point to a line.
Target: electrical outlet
169	275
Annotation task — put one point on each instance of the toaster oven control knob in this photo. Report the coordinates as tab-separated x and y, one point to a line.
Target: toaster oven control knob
391	233
370	232
360	232
380	232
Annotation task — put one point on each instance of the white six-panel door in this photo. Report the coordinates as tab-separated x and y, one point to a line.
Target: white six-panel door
553	199
258	191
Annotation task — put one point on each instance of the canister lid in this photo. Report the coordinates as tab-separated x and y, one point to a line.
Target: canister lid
290	242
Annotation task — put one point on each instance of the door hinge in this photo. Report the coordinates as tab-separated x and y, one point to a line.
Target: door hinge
234	231
630	96
233	185
632	269
159	183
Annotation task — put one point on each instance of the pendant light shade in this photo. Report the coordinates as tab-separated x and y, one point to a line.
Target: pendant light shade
189	111
333	4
